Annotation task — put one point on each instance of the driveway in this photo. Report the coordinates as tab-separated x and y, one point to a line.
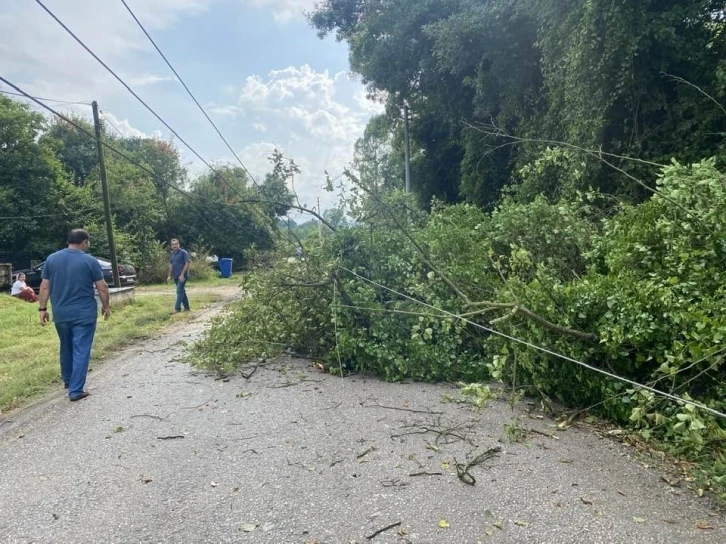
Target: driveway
289	454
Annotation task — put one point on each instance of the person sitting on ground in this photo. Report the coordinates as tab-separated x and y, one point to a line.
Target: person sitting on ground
21	290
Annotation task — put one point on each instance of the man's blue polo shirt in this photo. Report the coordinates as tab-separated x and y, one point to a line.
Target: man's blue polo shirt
72	274
178	259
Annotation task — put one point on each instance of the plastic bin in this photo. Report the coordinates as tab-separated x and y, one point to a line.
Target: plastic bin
225	267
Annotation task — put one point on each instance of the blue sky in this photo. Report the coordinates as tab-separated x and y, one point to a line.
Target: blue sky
259	69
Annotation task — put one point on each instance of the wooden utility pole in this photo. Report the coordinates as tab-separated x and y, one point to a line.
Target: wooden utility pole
106	199
320	223
407	148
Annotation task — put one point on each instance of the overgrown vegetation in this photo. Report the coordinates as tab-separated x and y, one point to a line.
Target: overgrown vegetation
491	83
638	292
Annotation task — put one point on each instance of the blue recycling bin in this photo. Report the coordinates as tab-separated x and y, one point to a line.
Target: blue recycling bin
225	267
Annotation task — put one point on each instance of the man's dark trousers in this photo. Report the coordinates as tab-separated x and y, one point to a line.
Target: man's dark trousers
76	340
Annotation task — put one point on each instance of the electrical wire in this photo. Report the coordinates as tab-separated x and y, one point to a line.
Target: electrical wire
260	213
66	214
130	90
189	92
105	118
542	349
77	103
121	154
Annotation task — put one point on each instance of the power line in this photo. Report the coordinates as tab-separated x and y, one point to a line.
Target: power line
76	103
261	214
189	92
542	349
66	214
130	90
105	118
119	153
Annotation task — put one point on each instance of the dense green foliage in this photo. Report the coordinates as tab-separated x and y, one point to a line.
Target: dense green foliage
50	183
636	78
646	280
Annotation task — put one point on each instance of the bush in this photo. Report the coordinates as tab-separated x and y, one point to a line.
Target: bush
200	269
153	264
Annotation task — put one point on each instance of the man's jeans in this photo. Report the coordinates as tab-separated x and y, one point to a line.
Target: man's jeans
181	296
75	352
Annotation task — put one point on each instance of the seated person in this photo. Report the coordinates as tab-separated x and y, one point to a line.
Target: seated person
22	291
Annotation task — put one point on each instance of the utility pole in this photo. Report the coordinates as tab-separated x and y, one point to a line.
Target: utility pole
320	223
407	148
106	199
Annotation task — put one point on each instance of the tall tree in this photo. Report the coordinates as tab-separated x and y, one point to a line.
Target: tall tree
75	150
33	186
644	79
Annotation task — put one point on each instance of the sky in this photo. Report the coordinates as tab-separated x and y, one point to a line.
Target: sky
256	66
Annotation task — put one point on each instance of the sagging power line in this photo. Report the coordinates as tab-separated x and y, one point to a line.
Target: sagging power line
66	214
123	155
189	92
135	95
76	103
490	330
260	213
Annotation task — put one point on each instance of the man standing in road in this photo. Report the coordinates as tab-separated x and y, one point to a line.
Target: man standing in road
68	279
178	267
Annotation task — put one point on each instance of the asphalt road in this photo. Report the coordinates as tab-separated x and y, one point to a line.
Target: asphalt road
161	453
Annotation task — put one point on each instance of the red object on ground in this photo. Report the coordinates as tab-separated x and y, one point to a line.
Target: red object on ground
27	295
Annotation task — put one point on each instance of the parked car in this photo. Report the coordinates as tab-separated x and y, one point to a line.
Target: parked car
126	272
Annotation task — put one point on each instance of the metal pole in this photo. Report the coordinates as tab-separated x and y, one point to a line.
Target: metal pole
407	148
106	199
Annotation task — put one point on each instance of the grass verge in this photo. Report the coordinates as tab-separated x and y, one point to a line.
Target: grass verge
214	281
29	353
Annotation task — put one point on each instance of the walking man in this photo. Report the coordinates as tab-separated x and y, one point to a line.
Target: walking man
68	279
178	267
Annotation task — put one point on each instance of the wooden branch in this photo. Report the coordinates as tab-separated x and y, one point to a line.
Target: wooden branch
584	336
504	318
379	531
518	309
415	244
379	405
313	284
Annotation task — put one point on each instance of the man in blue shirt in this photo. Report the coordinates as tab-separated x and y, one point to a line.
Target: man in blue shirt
178	267
69	276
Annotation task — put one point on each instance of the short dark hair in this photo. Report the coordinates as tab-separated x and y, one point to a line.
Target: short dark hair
78	236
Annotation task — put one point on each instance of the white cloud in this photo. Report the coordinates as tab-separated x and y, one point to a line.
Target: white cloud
259	127
314	119
371	107
307	99
124	128
284	11
37	54
224	110
147	79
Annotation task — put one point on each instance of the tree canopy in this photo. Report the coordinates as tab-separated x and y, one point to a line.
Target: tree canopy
492	82
50	183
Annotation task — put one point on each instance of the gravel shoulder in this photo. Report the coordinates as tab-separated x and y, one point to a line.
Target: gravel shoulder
162	453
